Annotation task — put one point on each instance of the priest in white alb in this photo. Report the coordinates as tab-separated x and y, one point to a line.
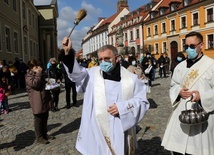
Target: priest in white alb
114	101
192	85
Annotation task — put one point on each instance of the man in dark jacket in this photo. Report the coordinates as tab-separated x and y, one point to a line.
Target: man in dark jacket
162	65
68	86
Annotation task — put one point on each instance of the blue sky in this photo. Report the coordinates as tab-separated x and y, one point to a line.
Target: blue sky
95	8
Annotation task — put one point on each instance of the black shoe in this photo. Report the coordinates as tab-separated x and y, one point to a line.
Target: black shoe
68	107
138	128
56	109
53	110
75	105
42	141
48	137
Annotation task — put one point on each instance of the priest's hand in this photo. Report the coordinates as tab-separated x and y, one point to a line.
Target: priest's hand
185	93
66	44
196	96
113	110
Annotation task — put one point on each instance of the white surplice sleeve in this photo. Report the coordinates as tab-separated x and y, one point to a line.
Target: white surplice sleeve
79	75
132	111
206	90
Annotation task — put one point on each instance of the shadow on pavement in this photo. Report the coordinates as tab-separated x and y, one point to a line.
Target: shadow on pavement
156	84
80	102
151	146
19	105
21	96
153	105
22	140
69	127
52	126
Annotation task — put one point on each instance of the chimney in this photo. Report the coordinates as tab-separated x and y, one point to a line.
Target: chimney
100	18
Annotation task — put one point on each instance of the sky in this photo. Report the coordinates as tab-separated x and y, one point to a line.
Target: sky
68	9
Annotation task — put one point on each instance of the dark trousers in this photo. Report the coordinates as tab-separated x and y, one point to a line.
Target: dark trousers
40	125
68	87
149	76
162	71
55	97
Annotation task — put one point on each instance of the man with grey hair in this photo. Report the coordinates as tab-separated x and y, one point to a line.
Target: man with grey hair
114	101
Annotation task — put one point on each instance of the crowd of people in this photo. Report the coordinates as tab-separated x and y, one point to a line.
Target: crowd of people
115	91
12	76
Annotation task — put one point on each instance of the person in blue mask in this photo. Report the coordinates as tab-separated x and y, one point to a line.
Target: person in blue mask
178	58
114	101
192	85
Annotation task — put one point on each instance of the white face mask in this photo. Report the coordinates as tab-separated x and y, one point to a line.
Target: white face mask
133	63
126	59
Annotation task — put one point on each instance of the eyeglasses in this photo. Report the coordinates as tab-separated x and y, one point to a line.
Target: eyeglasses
192	46
106	59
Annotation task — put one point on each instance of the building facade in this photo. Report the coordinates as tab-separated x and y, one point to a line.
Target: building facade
166	26
98	35
160	26
20	30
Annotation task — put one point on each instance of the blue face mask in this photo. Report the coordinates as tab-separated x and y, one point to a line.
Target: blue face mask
179	59
106	66
191	53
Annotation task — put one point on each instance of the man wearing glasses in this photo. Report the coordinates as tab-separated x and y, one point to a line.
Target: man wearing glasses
114	101
192	80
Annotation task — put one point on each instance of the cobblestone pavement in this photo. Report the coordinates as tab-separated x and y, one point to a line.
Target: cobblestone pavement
17	130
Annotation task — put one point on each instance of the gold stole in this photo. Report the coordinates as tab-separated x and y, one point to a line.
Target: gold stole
196	71
127	88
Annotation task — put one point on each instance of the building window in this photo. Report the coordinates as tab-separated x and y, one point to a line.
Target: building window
29	17
7	39
0	38
131	35
164	47
163	27
34	49
36	24
25	45
33	20
174	6
15	40
186	2
37	50
31	48
7	2
183	22
210	15
210	41
172	25
14	5
156	48
183	44
162	11
195	19
23	10
138	48
150	48
149	32
156	30
137	33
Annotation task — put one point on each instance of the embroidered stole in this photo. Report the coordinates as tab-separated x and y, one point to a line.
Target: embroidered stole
100	102
196	71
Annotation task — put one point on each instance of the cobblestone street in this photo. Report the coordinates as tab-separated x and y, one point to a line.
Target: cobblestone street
17	130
